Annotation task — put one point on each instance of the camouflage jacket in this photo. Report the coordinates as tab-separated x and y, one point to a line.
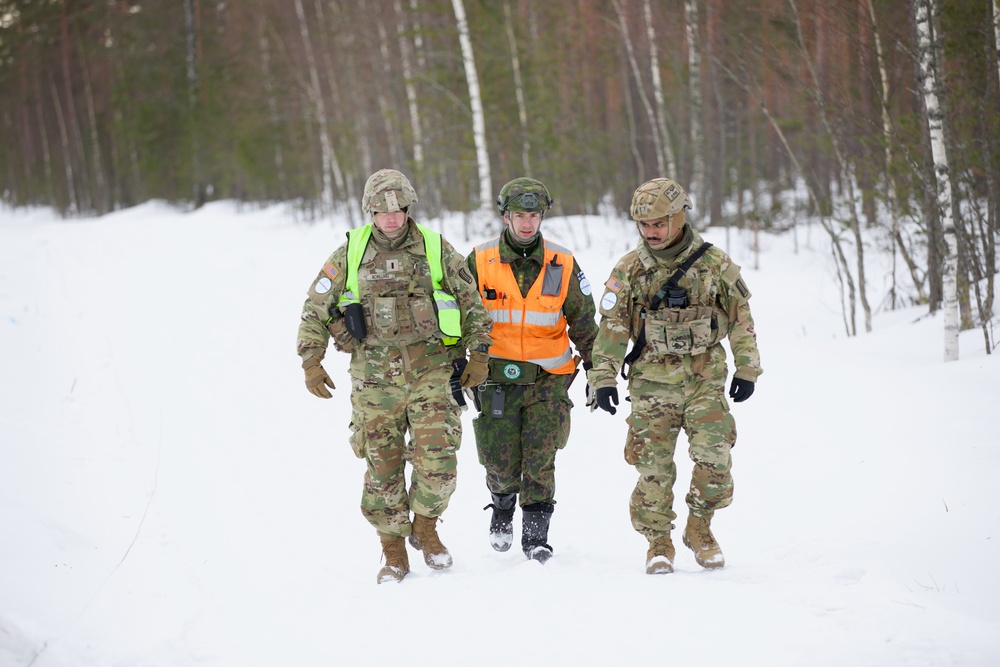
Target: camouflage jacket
680	343
394	290
579	309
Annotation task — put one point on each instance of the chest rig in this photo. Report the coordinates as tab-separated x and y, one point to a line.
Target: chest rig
670	325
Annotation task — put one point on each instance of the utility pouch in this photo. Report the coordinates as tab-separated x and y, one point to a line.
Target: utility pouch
354	320
384	317
506	371
342	339
496	403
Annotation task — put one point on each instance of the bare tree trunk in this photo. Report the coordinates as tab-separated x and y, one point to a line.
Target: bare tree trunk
412	103
74	203
673	168
478	118
103	196
74	137
198	193
384	106
697	184
522	109
272	105
996	30
925	10
331	166
887	138
661	166
845	168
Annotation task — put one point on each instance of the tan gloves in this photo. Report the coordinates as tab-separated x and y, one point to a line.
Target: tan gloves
317	380
477	370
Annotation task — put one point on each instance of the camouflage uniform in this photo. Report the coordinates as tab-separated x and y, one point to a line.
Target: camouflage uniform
400	372
519	450
678	380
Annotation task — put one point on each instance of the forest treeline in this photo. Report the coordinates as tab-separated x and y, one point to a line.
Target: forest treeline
105	104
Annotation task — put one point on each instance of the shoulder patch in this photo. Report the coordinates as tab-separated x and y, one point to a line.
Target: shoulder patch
614	285
464	274
741	287
330	270
584	284
609	301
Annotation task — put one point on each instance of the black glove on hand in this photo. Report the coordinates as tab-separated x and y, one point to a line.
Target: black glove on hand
605	397
740	390
456	376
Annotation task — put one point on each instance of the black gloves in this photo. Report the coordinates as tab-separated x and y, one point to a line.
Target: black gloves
605	397
740	390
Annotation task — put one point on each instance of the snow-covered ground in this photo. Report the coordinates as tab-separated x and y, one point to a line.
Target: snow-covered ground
170	494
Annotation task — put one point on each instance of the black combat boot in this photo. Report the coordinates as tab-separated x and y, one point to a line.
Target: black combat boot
535	531
502	523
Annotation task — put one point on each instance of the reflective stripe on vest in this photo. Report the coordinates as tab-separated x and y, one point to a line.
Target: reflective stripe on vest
448	314
531	328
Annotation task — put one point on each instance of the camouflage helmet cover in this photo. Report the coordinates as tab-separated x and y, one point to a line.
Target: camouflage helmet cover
657	199
387	190
524	194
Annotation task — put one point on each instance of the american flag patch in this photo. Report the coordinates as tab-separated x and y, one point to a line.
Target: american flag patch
614	285
330	270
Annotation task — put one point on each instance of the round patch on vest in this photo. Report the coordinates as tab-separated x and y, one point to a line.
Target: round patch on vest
585	286
323	285
512	371
609	300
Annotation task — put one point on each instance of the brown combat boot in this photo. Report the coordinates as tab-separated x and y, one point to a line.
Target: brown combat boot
698	537
660	556
397	563
425	538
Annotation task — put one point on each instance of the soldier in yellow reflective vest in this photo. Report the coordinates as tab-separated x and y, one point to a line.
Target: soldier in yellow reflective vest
401	301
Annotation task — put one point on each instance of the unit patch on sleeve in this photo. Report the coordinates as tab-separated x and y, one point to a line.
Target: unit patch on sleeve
464	274
323	285
609	301
584	283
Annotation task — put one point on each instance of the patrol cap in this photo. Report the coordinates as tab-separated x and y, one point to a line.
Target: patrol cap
387	190
657	199
524	194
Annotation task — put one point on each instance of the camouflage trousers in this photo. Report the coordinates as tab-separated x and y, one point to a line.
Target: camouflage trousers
659	412
518	450
383	412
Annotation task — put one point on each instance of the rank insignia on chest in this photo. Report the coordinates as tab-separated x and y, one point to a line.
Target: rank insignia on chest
392	265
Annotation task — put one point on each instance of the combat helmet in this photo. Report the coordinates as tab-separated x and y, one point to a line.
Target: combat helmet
657	199
524	194
387	190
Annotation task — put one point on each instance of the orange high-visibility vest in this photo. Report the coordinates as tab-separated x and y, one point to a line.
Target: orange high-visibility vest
531	328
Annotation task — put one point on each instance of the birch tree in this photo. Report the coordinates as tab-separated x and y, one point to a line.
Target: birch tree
661	166
412	103
478	118
931	89
522	109
697	184
661	107
330	165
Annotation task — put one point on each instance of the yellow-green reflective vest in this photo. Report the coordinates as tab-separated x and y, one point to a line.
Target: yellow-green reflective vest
448	314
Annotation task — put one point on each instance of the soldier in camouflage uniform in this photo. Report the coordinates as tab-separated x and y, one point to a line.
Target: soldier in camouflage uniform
539	300
676	298
399	299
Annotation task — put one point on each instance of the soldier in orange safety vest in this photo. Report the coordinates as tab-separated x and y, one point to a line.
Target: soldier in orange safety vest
539	301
